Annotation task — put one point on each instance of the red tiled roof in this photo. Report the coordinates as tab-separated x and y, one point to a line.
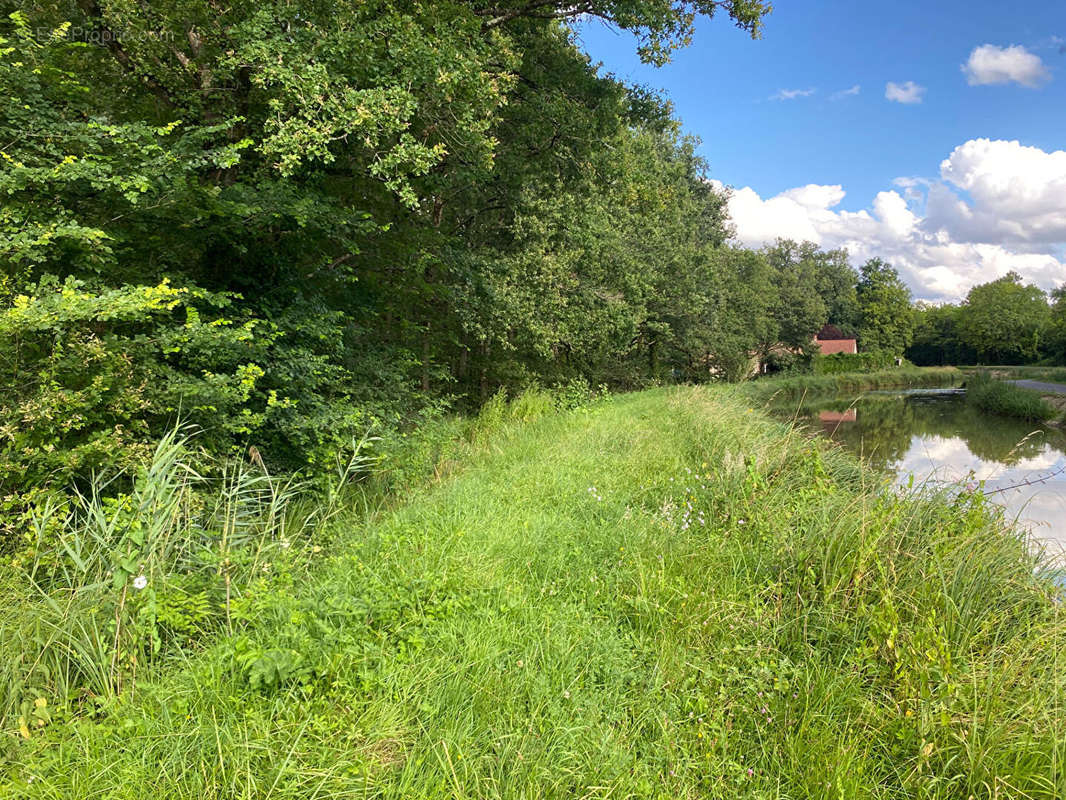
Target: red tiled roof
830	346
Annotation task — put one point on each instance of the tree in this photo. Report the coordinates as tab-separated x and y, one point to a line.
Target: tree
886	322
1005	321
740	322
363	210
827	273
1055	338
937	338
798	306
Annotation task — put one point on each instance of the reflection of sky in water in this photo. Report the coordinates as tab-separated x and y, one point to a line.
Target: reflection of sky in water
1040	507
937	437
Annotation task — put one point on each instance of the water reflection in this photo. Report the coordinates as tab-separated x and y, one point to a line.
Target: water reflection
934	435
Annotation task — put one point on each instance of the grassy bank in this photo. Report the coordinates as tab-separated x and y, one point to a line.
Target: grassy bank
1006	399
796	386
1030	372
660	595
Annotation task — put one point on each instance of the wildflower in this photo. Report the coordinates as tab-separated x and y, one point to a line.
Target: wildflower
140	582
566	694
316	549
285	544
750	772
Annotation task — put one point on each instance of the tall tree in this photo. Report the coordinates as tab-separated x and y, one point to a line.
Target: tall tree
288	220
886	322
937	338
1004	320
798	306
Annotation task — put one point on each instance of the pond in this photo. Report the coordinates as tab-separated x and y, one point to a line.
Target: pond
933	435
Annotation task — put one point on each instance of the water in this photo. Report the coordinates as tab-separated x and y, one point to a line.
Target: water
934	436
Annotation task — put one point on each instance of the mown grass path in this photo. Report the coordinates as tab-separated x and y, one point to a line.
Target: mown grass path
663	595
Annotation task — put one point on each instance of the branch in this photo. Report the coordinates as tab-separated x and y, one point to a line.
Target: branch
528	9
1027	482
95	15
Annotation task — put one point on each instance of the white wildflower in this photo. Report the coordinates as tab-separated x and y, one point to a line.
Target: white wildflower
140	582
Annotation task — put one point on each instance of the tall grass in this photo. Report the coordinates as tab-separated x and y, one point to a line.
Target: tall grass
114	582
1006	399
795	386
665	595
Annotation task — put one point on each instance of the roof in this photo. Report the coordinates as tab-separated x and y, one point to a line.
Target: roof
828	347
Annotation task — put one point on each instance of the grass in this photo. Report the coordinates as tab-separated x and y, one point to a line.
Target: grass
660	595
1006	399
792	387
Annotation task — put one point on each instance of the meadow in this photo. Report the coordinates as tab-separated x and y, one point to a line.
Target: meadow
658	595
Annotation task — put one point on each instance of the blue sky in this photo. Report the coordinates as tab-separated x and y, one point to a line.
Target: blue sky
723	88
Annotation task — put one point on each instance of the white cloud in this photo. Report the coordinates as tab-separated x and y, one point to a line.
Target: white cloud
989	64
1014	219
854	90
908	92
1019	193
791	94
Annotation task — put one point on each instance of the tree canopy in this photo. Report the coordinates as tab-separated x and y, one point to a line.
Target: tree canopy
884	304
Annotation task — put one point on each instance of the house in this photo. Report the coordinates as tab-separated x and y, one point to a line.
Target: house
830	339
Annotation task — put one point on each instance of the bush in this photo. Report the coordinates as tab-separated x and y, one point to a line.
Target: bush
112	581
94	375
1006	399
838	363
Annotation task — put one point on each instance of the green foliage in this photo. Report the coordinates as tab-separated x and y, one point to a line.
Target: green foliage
886	320
94	375
1003	321
798	307
346	203
1006	399
837	363
937	336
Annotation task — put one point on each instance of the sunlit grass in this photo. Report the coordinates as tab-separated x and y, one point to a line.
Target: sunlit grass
660	595
1006	399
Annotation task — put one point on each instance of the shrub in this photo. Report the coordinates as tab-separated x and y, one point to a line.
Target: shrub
837	363
93	376
112	581
1006	399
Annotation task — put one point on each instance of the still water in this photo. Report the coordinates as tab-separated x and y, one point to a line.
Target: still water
934	436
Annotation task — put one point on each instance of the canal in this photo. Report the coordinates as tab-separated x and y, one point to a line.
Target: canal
933	437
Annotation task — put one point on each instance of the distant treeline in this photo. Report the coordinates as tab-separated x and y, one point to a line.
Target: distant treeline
1004	321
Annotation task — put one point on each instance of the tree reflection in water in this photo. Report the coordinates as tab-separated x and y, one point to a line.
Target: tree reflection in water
936	435
882	426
